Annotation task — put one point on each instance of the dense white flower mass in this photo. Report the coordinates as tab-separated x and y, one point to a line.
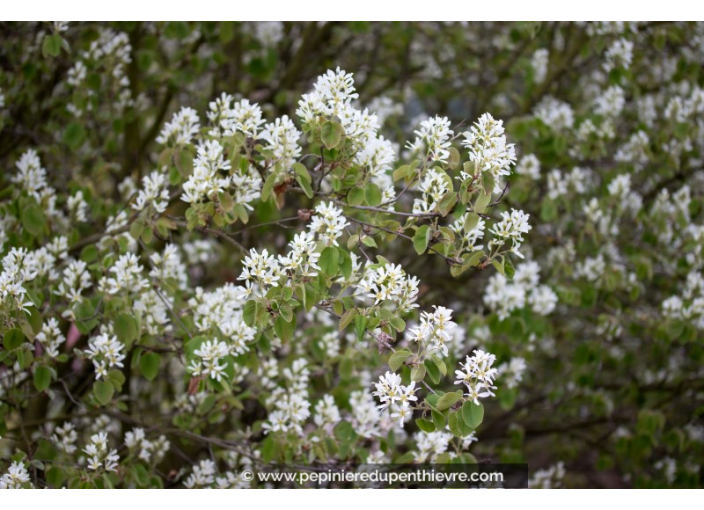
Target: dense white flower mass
344	277
511	373
619	54
504	296
539	62
127	276
17	477
611	102
154	193
433	187
328	222
555	114
106	352
210	356
18	267
205	181
184	125
488	149
99	456
434	331
510	230
282	140
477	375
392	393
529	165
51	337
389	282
433	139
242	117
146	450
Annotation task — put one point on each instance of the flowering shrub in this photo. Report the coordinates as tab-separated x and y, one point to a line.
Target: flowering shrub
193	283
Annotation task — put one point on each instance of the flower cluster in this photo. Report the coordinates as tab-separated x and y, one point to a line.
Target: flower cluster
504	296
127	276
328	222
98	454
477	375
184	125
146	450
434	331
434	186
210	354
488	149
389	282
510	229
154	193
433	139
106	352
17	477
395	395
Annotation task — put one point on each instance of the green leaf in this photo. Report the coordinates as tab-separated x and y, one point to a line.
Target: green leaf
51	46
184	163
89	254
13	339
270	449
418	373
33	219
226	201
331	134
448	400
440	364
103	391
447	203
454	158
305	185
345	263
397	358
498	265
472	414
249	313
74	135
548	210
398	324
126	328
347	318
269	186
369	241
372	194
481	203
117	379
86	317
355	196
329	261
344	432
360	326
421	239
42	378
457	426
403	171
425	425
55	477
285	330
509	270
149	365
489	183
471	221
433	371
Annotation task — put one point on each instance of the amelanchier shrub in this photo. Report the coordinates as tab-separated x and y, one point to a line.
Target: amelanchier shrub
221	250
